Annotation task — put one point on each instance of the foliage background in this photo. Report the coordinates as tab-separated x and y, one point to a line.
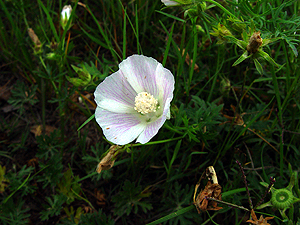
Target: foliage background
220	113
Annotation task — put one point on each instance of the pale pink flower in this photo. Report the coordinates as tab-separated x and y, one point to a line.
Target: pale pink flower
134	102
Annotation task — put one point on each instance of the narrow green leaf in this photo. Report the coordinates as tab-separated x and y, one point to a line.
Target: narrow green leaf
87	121
94	39
49	18
171	16
241	58
266	56
175	153
258	66
172	215
232	39
170	37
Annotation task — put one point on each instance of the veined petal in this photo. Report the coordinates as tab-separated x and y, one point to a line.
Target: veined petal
165	83
115	106
116	88
139	71
167	111
119	128
153	128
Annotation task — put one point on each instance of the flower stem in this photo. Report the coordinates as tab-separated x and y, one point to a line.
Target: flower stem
272	181
43	104
158	142
246	185
227	203
172	129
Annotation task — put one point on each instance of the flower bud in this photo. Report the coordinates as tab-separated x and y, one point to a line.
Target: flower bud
221	32
65	16
52	56
84	76
255	41
200	29
35	39
192	12
225	86
202	6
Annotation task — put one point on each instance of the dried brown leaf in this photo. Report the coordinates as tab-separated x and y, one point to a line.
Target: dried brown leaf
37	130
210	190
108	160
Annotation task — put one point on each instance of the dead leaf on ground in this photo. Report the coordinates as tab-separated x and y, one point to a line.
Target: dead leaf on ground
189	61
4	92
101	200
37	130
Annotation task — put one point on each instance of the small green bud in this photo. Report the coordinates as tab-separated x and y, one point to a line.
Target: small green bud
202	6
84	76
225	86
237	24
192	12
52	56
200	29
221	31
77	81
53	45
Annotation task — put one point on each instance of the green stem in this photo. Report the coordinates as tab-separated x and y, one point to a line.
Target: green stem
278	98
158	142
192	64
124	35
43	92
220	62
24	15
172	215
227	203
53	84
172	129
288	66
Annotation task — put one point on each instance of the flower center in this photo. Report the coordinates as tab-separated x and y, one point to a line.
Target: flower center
145	103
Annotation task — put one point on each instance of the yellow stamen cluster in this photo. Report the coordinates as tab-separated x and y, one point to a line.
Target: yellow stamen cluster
145	103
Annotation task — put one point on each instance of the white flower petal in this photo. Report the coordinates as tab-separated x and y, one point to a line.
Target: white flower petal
167	111
119	128
140	73
114	106
153	128
150	131
115	87
66	12
165	83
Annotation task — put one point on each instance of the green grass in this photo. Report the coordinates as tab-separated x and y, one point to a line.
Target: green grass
50	143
